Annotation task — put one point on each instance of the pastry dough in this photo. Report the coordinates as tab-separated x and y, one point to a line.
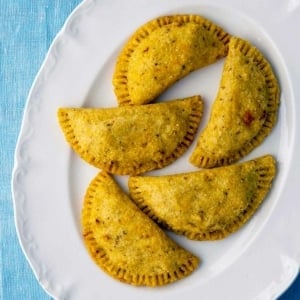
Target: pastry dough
208	204
132	139
163	51
245	109
125	243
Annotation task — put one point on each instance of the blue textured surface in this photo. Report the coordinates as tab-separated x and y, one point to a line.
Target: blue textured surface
27	29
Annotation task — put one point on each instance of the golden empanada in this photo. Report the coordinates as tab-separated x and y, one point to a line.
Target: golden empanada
208	204
245	109
132	139
127	244
163	51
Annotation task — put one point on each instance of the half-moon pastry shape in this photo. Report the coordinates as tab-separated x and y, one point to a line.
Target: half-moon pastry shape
205	205
244	111
163	51
127	244
132	139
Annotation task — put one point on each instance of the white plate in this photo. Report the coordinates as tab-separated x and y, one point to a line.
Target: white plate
49	181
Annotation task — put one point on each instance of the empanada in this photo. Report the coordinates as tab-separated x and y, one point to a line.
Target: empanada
163	51
245	109
208	204
132	139
127	244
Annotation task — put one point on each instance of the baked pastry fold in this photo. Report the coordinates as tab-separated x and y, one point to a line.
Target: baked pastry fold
244	111
163	51
127	244
208	204
132	139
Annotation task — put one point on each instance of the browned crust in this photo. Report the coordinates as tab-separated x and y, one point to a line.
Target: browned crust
102	260
115	167
203	161
120	74
266	174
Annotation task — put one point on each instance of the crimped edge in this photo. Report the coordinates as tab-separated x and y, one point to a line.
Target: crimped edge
247	49
120	74
266	174
100	257
114	167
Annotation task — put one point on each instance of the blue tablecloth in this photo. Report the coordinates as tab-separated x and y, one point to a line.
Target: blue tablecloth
26	30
